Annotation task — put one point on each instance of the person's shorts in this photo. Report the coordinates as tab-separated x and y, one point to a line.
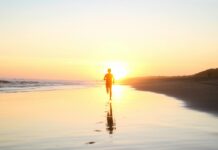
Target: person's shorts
108	85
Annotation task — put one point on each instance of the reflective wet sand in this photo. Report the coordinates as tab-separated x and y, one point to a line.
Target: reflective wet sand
84	118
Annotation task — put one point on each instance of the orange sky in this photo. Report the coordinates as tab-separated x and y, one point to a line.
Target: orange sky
79	40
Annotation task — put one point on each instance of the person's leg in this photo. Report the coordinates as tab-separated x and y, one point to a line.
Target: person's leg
107	89
110	92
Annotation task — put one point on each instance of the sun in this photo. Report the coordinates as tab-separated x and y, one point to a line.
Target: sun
118	69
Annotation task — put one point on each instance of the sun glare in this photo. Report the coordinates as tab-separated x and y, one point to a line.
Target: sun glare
117	92
119	70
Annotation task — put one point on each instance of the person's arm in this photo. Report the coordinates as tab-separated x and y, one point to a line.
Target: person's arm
113	80
105	77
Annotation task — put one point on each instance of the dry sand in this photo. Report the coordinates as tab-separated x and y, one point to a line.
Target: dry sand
198	94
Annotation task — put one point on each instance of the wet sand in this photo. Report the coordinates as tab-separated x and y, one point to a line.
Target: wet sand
84	118
197	94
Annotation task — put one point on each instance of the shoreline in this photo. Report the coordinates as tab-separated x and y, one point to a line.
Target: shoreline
201	95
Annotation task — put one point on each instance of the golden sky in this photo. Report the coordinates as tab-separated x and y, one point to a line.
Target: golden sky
69	40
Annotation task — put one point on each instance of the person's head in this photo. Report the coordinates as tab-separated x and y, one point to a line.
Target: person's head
109	70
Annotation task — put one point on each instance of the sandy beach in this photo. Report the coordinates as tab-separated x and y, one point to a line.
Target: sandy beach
83	118
200	94
109	75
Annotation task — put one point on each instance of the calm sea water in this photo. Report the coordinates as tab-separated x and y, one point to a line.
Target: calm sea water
84	118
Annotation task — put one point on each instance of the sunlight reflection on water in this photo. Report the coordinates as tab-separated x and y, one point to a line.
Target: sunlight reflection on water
85	118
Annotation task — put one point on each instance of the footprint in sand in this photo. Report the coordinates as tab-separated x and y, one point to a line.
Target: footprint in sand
91	142
97	130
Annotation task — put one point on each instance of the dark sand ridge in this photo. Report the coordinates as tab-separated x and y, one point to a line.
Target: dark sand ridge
199	91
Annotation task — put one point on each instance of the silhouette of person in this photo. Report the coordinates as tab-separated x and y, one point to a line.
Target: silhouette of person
109	80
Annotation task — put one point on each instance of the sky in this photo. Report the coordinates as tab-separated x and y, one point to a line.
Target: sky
80	39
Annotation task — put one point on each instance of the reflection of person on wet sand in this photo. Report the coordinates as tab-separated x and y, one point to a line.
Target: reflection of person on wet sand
109	80
110	120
